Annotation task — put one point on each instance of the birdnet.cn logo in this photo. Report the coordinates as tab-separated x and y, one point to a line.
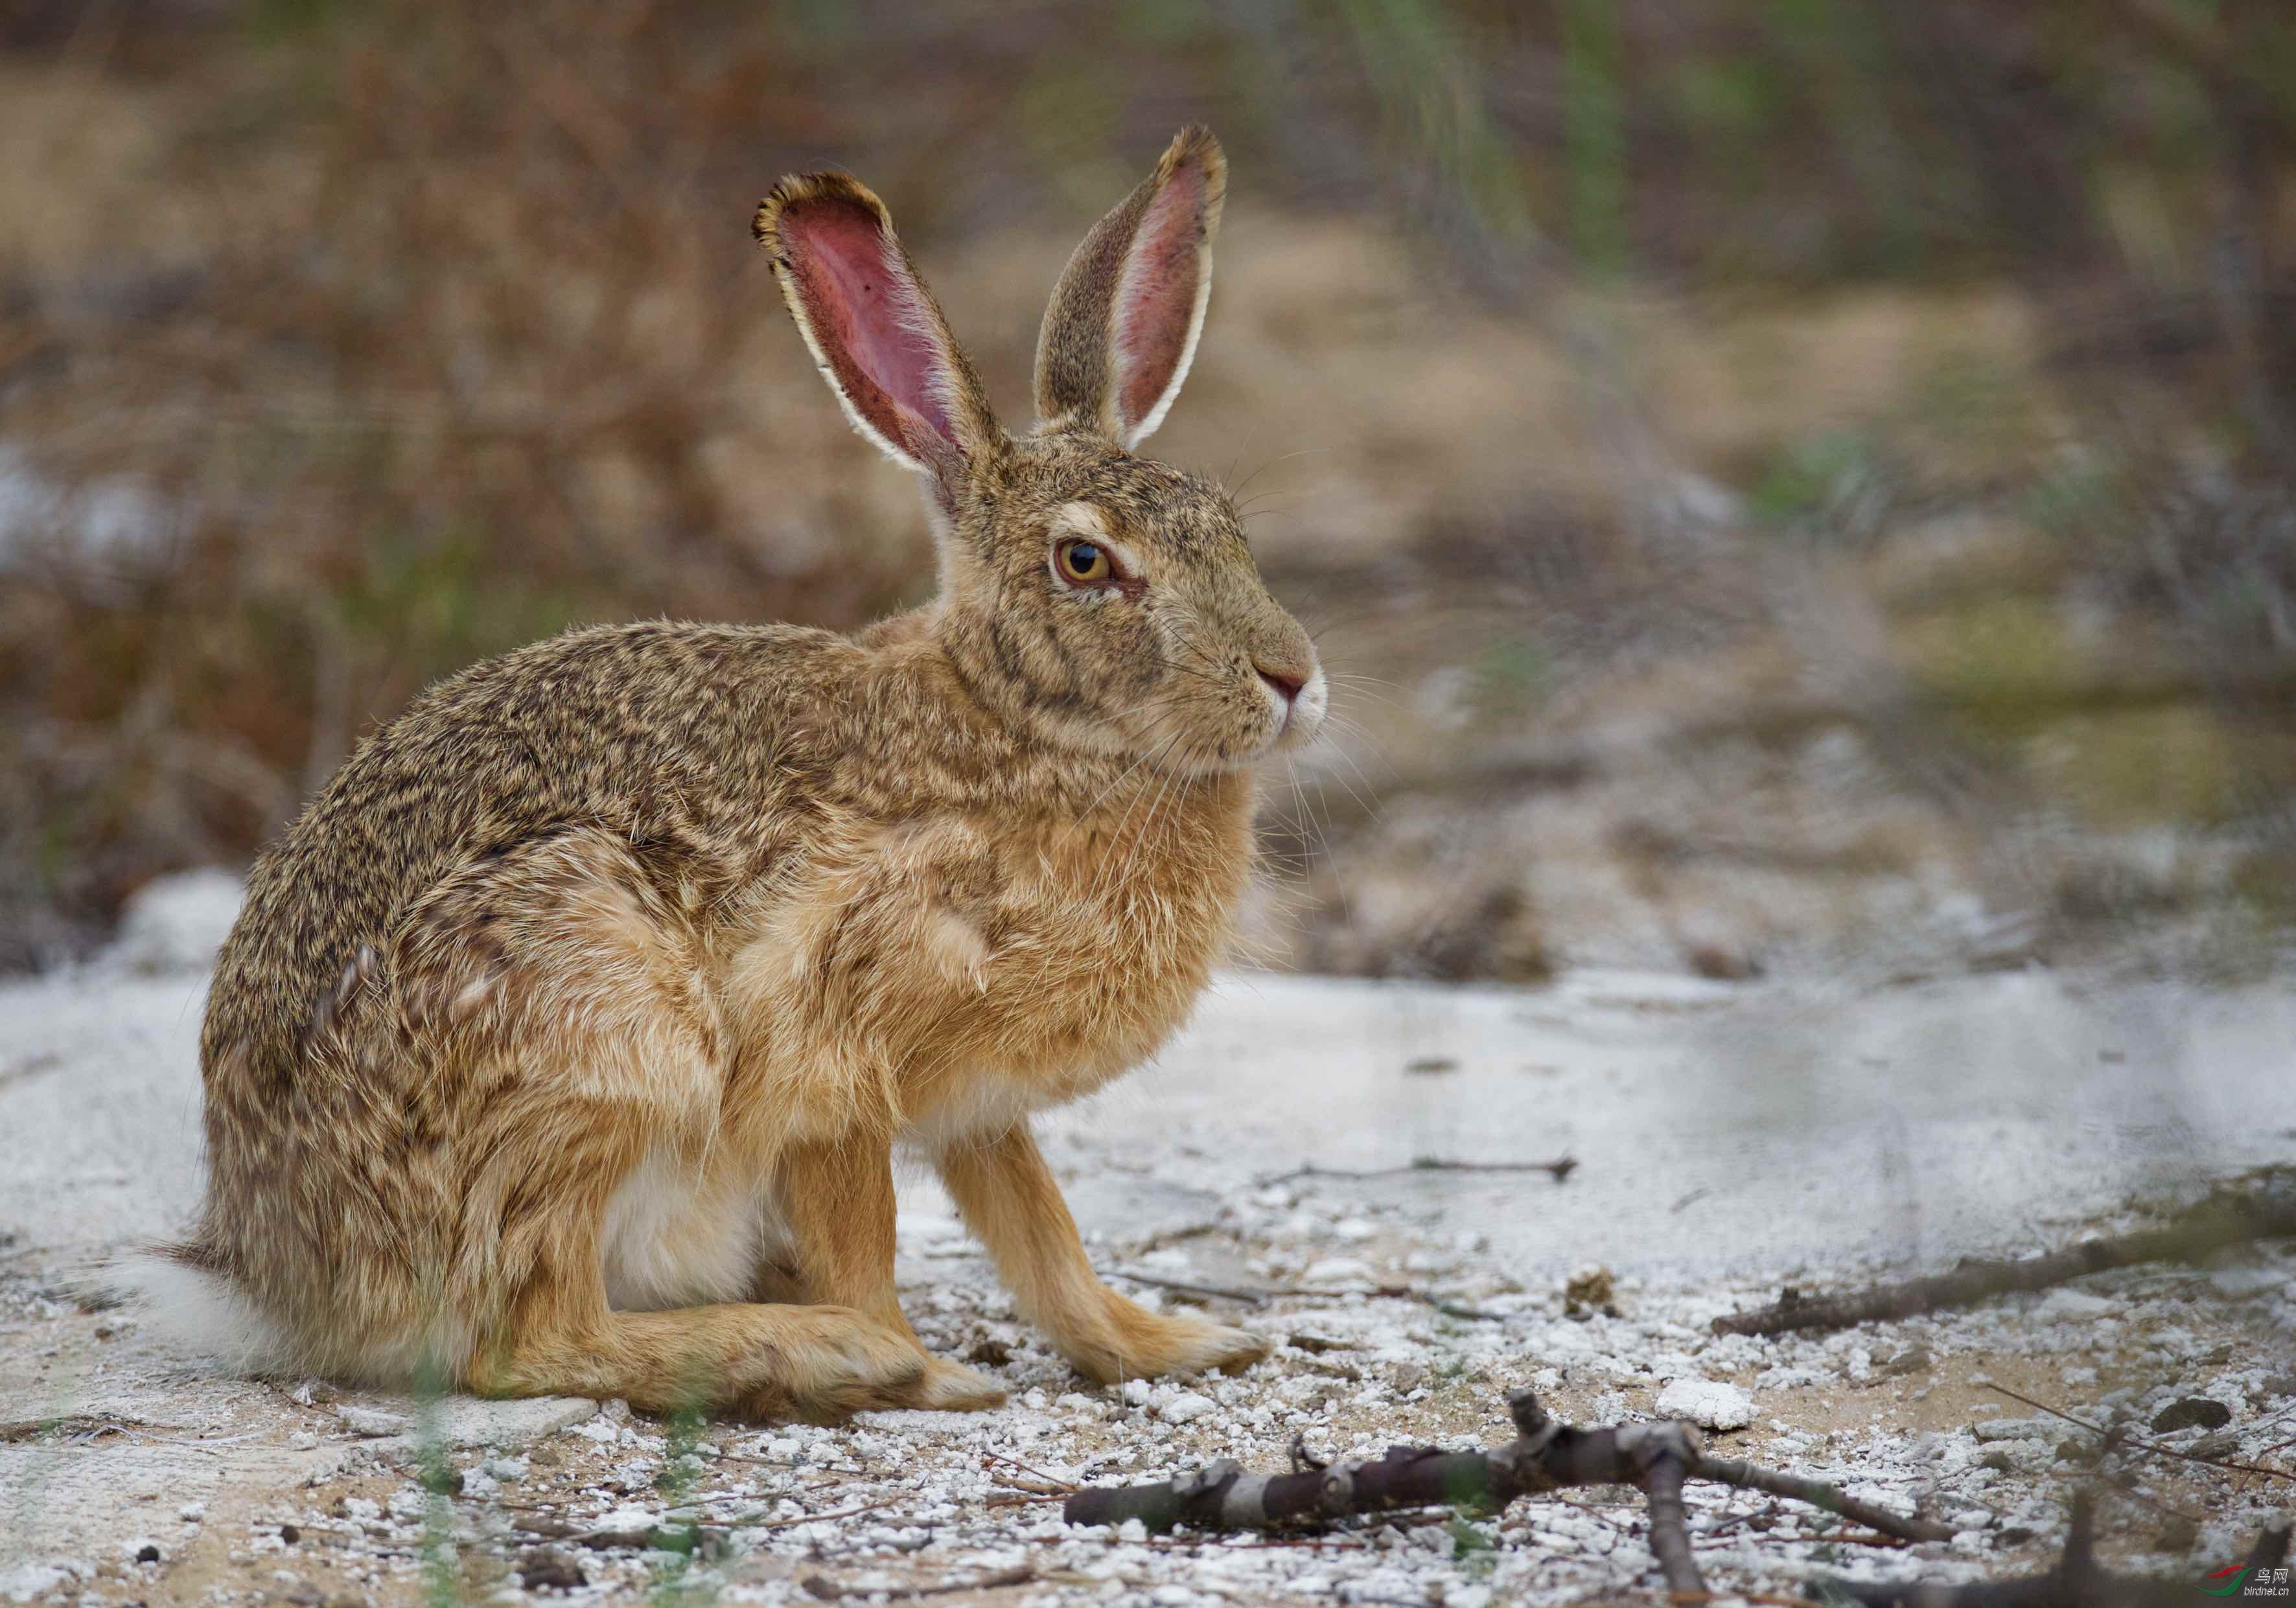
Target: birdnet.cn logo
2241	1580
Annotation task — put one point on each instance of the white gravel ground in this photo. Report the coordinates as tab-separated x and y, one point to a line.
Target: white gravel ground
1729	1138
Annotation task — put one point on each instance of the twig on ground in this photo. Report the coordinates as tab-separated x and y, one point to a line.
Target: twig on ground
1173	1236
1250	1298
2113	1436
2078	1581
1261	1297
827	1590
2231	1215
1548	1455
1818	1493
813	1518
1024	1499
1560	1168
1047	1484
639	1536
1450	1309
76	1425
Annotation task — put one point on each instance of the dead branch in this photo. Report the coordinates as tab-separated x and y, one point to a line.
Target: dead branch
2078	1581
827	1590
1261	1297
1560	1168
2113	1436
1250	1298
1818	1493
2230	1215
1659	1458
1547	1455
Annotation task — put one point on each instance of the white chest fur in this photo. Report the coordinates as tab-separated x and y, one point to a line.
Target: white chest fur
675	1237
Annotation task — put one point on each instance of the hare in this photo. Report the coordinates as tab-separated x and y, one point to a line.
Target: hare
566	1040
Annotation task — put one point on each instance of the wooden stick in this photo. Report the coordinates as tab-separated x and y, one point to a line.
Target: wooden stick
2230	1215
1547	1456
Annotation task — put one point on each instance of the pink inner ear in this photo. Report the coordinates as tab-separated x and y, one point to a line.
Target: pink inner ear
869	321
1156	303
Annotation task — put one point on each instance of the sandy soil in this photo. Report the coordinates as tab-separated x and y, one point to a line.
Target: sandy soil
1729	1137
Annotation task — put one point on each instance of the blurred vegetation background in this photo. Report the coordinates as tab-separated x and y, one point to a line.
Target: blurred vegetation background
1782	483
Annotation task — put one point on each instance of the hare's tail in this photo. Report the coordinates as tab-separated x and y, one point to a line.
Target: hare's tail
185	1294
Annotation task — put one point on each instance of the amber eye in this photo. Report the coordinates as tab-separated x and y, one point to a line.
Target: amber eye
1081	562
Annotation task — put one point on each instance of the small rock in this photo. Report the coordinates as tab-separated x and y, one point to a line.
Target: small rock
289	1533
371	1421
991	1352
2220	1445
2178	1534
1591	1289
547	1570
1186	1408
2016	1429
2192	1412
466	1422
1912	1359
1707	1402
2062	1302
147	1554
34	1583
1338	1271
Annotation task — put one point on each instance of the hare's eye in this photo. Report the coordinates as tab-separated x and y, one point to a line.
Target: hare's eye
1084	563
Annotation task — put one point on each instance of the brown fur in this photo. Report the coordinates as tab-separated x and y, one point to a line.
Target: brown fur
564	1042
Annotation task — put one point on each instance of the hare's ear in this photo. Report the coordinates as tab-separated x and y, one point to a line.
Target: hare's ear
1123	323
874	328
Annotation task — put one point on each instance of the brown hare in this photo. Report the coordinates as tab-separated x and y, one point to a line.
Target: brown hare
565	1040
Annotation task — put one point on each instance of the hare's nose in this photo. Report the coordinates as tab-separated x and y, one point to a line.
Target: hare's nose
1286	685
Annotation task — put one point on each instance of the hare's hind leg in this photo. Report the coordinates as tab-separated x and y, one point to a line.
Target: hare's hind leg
818	1363
562	1047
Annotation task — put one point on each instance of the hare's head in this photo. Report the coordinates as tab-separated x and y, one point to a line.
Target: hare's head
1103	601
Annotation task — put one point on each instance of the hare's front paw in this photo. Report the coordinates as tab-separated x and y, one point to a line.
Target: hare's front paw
951	1387
1129	1342
1193	1346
